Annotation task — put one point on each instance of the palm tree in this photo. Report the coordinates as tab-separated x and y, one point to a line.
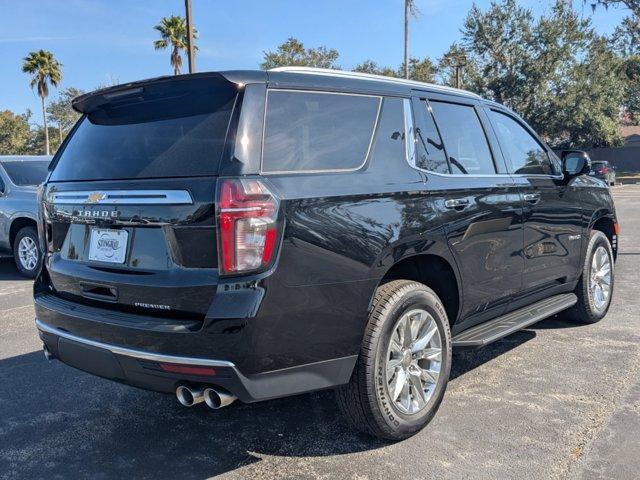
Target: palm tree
410	10
173	33
44	69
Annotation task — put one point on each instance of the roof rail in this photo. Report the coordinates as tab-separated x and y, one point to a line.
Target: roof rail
369	76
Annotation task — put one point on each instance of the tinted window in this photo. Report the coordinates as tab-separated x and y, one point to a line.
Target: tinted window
308	131
26	173
464	138
431	154
176	132
523	151
389	142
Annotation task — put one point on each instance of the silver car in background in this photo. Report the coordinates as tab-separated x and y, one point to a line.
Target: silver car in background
19	180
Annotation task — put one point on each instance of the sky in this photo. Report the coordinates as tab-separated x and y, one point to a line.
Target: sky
100	42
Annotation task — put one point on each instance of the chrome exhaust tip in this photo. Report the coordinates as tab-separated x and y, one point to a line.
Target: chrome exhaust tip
218	398
47	354
189	396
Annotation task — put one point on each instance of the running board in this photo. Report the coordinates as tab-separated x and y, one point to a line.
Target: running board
500	327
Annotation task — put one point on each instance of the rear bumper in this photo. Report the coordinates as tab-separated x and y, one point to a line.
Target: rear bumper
146	369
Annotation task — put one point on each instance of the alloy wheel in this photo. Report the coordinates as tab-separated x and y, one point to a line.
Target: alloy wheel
28	253
414	358
600	278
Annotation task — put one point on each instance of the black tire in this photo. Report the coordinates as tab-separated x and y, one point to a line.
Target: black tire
586	310
31	234
365	401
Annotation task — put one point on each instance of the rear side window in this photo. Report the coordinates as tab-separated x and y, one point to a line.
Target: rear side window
464	139
313	131
524	152
431	155
170	131
27	173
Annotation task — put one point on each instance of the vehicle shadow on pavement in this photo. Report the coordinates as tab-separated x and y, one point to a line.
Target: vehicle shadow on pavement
60	422
8	270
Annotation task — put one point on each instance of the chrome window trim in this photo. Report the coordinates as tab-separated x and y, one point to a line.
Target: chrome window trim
334	170
121	197
409	133
130	352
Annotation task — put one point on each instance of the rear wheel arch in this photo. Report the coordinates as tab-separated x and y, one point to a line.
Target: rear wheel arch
18	224
433	271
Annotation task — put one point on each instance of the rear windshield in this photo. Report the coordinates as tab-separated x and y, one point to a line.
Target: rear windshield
174	130
27	173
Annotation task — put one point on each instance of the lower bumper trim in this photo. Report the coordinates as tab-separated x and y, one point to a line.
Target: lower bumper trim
128	352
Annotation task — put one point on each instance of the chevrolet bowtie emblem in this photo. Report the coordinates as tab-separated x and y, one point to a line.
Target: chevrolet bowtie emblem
95	197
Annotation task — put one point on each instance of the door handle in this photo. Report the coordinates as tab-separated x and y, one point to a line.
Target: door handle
532	197
457	203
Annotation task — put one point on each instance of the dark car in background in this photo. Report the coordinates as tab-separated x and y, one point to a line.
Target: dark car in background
19	179
604	171
252	235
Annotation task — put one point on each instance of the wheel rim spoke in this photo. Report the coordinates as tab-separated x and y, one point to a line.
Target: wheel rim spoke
430	354
423	341
430	376
398	384
392	366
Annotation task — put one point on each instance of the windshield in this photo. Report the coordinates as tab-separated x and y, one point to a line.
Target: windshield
27	173
175	130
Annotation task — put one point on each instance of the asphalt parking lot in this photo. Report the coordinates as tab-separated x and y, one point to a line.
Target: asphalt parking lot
558	400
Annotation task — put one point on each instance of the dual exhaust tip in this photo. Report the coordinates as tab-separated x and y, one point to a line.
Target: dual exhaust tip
212	397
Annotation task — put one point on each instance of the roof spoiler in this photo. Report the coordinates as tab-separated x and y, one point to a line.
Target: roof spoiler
92	101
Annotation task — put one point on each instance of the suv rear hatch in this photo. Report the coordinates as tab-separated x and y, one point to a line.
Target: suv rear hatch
129	207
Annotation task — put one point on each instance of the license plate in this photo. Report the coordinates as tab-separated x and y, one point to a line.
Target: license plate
108	245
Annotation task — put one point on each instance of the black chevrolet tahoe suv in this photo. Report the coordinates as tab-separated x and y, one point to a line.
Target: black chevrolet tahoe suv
251	235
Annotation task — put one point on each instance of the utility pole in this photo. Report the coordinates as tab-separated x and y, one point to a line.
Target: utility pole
460	62
192	59
406	38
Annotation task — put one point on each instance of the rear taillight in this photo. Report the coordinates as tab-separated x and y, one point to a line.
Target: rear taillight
604	170
248	225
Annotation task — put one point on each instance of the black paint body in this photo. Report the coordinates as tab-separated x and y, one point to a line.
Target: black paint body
341	234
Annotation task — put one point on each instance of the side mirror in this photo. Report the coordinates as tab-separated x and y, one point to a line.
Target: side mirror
575	162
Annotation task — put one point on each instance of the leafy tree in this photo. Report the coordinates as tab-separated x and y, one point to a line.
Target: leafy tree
62	113
44	70
173	34
632	5
631	103
456	68
15	133
500	41
555	71
36	140
369	66
626	37
420	70
293	53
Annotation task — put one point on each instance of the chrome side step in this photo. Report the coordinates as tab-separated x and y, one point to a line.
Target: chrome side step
485	333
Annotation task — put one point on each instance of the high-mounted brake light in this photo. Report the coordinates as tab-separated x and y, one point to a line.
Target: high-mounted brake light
248	225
